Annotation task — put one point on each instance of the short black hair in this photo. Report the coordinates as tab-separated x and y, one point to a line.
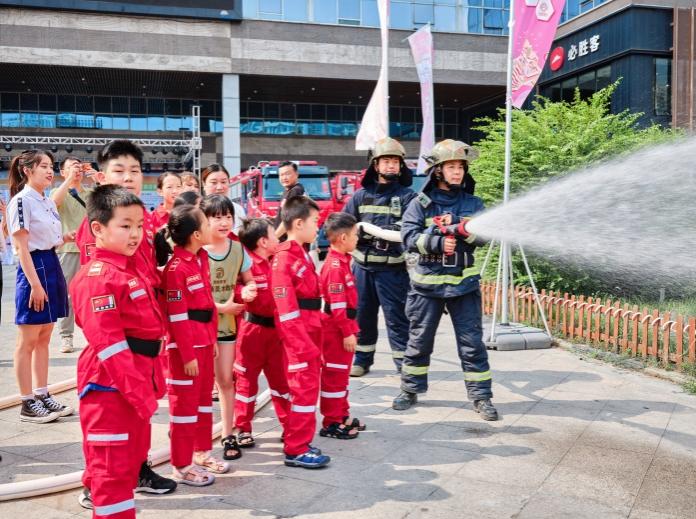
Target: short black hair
187	197
217	205
104	200
288	163
163	177
253	230
119	148
297	207
61	165
337	224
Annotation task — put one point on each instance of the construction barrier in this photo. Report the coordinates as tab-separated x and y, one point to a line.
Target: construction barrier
666	338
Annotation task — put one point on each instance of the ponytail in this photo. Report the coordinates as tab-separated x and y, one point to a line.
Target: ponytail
162	248
184	220
27	159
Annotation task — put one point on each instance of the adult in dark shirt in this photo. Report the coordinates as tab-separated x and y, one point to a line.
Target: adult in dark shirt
288	176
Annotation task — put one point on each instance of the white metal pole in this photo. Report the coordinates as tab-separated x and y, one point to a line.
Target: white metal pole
505	248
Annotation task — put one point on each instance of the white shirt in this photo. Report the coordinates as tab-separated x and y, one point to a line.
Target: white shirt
37	214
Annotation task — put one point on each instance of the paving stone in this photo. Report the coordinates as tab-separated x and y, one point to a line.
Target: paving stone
668	487
559	506
637	433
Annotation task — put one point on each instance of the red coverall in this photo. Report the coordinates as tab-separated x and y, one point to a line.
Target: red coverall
144	256
297	300
193	331
159	218
118	388
258	348
338	322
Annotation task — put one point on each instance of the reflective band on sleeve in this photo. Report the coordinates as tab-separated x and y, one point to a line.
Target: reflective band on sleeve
376	209
261	285
420	244
286	396
350	284
290	315
197	286
107	437
239	367
112	350
301	271
175	318
366	348
205	409
414	370
337	394
440	279
174	382
370	258
472	376
397	354
183	419
303	408
245	399
171	346
336	306
116	508
137	293
336	366
201	345
429	221
297	366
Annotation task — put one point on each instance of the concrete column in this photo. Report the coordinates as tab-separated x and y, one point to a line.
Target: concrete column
231	148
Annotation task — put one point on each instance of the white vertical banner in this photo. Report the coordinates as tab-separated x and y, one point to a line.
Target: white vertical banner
421	43
375	121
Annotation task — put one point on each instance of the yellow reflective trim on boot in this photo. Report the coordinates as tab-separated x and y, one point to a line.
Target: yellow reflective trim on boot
472	376
366	348
415	370
441	279
397	354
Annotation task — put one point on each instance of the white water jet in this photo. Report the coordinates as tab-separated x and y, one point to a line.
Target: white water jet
633	218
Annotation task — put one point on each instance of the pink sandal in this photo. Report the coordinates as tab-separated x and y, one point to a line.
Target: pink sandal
194	476
206	461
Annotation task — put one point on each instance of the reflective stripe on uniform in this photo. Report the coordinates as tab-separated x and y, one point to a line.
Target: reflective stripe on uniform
174	382
415	370
205	409
376	209
303	408
171	346
195	287
420	243
473	376
116	508
112	350
290	315
245	399
301	271
286	396
336	306
239	367
336	366
370	258
297	366
183	419
366	348
175	318
429	221
261	285
439	279
337	394
107	437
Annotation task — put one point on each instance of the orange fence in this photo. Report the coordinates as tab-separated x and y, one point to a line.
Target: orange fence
666	338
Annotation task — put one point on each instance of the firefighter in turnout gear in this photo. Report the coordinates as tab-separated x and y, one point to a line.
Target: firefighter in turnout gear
379	264
445	278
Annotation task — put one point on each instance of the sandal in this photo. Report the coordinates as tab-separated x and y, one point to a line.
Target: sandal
229	443
208	462
354	424
338	431
193	475
246	441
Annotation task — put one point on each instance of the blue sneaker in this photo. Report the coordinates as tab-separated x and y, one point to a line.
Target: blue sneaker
315	450
309	460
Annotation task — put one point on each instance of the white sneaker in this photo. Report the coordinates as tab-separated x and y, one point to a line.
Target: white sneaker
66	345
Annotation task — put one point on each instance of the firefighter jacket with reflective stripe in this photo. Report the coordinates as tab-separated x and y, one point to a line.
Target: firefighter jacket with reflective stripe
112	301
438	275
382	205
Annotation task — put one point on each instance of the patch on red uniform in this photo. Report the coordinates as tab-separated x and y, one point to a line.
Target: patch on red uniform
132	283
297	265
335	288
175	263
95	269
191	279
335	264
173	295
103	303
89	247
280	292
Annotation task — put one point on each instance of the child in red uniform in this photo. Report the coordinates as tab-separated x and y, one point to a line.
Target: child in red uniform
117	381
190	309
339	327
169	187
258	345
298	303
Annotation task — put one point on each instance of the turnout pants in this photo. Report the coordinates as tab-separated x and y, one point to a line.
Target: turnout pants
465	312
115	442
388	289
334	378
303	381
259	349
190	406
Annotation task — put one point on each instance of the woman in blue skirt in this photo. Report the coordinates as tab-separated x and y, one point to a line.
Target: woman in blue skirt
41	295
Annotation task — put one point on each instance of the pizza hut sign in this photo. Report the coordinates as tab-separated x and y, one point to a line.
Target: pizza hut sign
559	56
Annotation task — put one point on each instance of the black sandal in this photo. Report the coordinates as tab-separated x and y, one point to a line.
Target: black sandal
246	440
354	424
229	443
338	431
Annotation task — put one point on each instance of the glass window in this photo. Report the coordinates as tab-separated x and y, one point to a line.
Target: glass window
156	124
84	121
295	10
316	187
422	14
586	84
662	91
445	18
303	111
603	77
333	113
102	104
492	19
172	124
84	105
256	110
473	20
270	6
138	124
555	92
271	110
370	14
119	105
493	3
137	106
349	12
9	101
325	11
287	111
155	106
120	123
568	88
400	16
207	108
29	102
172	106
318	112
47	103
350	113
104	122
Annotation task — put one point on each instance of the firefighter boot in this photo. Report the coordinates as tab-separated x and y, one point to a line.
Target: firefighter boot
404	401
486	410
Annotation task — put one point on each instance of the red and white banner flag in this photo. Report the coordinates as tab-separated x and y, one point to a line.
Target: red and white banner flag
535	26
375	121
421	43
